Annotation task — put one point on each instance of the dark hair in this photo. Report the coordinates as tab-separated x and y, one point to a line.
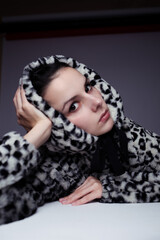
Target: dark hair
42	75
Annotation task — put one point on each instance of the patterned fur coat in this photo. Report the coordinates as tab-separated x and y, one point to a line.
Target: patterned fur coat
30	177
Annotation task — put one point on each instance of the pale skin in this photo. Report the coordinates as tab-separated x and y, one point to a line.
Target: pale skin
83	105
34	121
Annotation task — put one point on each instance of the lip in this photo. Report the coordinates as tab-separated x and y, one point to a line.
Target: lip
104	116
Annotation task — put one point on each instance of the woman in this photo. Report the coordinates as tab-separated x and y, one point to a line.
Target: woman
94	152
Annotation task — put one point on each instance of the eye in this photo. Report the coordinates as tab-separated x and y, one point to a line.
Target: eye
73	107
88	87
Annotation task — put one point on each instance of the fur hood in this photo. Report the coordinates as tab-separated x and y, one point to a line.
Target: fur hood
65	135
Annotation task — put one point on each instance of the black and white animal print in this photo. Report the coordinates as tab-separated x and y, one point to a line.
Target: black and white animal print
29	177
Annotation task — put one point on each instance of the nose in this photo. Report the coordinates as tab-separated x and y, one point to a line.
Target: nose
94	102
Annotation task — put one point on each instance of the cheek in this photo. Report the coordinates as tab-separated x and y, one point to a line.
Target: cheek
80	120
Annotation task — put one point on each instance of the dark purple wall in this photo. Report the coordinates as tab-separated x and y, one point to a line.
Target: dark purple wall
130	62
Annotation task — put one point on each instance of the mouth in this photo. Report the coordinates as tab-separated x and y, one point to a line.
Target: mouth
104	116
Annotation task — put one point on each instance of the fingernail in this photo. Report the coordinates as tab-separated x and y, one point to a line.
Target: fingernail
20	82
63	201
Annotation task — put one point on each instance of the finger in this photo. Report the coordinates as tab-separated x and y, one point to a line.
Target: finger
81	189
90	180
77	194
95	193
23	96
86	183
86	199
15	96
17	100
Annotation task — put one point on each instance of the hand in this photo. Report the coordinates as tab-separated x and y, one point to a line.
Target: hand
34	121
91	189
27	115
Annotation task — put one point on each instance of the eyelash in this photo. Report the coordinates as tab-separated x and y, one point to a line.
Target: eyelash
86	90
72	105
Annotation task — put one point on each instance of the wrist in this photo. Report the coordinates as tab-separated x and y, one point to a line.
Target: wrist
40	133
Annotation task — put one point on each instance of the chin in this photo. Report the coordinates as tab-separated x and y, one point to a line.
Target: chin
108	127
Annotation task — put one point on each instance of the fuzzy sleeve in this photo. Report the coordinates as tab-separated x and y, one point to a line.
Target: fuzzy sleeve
130	188
17	158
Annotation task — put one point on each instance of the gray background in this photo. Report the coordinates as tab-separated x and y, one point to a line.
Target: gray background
129	62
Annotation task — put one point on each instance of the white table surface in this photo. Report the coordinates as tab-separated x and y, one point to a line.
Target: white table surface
93	221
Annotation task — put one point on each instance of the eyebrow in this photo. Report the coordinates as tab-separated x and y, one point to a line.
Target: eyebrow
74	97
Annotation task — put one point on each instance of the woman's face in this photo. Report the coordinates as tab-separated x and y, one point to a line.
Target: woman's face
71	94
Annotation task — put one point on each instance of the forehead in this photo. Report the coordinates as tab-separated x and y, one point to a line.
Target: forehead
67	84
69	74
